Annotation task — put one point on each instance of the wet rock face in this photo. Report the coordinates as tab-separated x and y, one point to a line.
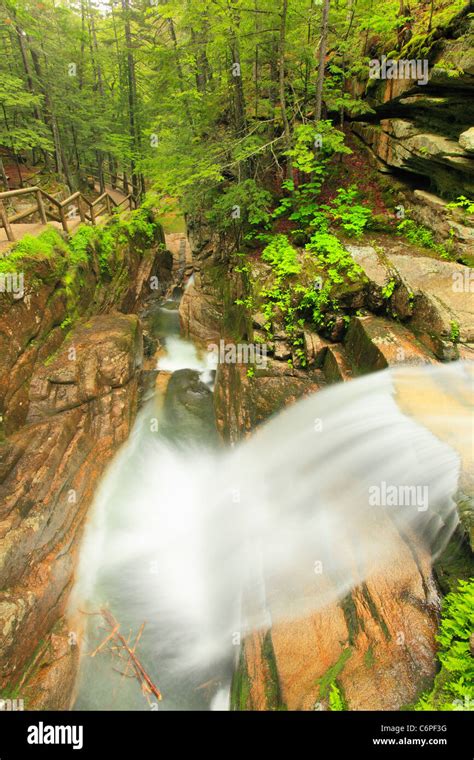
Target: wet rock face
188	411
377	646
242	403
199	311
81	407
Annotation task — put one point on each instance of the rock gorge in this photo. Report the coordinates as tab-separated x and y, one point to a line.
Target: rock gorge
337	231
69	397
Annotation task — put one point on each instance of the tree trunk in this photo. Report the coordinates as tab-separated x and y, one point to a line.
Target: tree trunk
132	115
282	46
322	60
3	175
179	71
49	117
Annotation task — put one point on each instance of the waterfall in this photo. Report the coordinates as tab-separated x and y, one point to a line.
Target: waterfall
205	544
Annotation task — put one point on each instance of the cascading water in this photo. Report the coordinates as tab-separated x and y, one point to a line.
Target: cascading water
204	543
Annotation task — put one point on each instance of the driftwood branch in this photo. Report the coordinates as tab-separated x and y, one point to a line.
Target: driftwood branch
120	647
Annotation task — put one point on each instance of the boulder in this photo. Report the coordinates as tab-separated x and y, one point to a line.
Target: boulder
466	140
374	343
434	296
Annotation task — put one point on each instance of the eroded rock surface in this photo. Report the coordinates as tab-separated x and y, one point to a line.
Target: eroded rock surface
81	407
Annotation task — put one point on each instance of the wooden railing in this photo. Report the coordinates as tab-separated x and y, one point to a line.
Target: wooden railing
89	211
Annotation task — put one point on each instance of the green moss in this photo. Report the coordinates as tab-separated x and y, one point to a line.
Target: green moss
72	265
272	684
369	658
49	247
13	690
351	618
332	673
375	613
241	685
454	564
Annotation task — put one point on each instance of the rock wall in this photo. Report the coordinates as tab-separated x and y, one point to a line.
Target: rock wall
426	130
68	395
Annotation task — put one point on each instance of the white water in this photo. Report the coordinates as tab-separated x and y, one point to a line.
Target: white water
180	536
181	354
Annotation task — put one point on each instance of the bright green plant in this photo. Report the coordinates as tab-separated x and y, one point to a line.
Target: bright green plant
336	700
454	685
282	256
388	288
463	203
314	145
243	203
455	332
422	236
346	211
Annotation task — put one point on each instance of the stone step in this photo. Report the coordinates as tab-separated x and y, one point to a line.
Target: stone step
373	343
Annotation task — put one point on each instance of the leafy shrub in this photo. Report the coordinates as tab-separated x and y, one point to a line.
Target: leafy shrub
352	216
454	684
314	145
463	203
252	201
422	236
282	256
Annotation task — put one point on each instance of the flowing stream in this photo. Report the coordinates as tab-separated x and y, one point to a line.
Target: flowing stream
204	543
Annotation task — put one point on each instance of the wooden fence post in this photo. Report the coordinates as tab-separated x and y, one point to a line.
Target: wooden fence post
62	215
6	223
41	209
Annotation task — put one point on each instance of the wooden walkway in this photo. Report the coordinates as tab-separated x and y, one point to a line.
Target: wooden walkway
64	215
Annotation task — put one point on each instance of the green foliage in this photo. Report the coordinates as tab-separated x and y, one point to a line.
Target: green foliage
138	223
422	236
32	249
463	203
454	685
388	288
336	700
245	203
282	256
305	285
454	331
338	263
314	145
344	210
80	244
352	216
